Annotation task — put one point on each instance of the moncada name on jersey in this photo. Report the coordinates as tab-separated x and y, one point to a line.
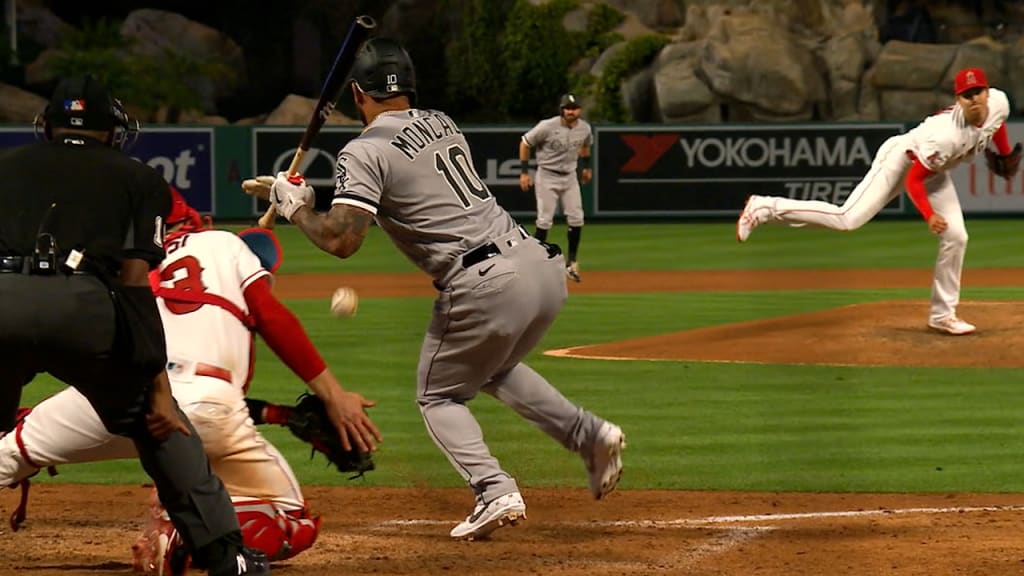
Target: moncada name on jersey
422	132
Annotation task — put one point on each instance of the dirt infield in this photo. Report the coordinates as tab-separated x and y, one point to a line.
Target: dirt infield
77	530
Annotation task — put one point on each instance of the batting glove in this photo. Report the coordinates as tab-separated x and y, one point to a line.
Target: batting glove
289	193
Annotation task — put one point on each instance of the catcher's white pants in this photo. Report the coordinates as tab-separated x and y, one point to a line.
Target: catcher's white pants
64	429
882	184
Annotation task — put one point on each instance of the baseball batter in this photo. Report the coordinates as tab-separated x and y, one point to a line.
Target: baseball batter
563	144
498	288
212	290
920	160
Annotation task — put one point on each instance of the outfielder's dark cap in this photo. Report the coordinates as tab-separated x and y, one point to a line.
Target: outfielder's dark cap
569	101
83	103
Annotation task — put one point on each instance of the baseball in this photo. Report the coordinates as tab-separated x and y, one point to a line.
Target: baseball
344	302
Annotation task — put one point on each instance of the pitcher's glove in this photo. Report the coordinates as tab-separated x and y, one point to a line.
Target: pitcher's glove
1003	165
309	422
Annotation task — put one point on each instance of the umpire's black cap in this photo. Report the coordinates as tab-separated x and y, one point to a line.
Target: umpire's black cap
83	103
569	101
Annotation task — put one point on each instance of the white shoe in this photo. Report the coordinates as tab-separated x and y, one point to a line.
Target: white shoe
604	462
487	518
572	270
952	325
748	219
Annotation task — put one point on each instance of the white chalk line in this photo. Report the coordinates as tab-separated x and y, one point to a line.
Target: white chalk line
738	519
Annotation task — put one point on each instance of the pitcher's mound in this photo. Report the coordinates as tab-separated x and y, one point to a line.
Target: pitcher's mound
892	333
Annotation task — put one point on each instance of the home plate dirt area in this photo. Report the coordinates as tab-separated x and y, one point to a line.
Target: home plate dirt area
84	529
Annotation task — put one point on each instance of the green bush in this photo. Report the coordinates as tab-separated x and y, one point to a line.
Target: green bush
607	89
141	81
474	53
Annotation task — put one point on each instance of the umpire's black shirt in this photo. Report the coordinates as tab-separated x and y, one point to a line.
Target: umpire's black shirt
89	196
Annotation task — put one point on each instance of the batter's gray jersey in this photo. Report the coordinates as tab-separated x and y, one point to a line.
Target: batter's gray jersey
557	146
498	288
413	170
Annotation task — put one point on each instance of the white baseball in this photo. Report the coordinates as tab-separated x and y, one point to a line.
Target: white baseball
344	302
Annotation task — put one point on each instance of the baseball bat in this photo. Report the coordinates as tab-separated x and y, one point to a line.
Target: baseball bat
358	32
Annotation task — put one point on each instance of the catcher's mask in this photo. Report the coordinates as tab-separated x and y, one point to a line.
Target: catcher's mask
83	103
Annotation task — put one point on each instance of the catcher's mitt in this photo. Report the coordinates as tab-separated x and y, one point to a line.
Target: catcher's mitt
1004	165
308	421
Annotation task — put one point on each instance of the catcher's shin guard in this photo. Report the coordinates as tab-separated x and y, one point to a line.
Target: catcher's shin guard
277	533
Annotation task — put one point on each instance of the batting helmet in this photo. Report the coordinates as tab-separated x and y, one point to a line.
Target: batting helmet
568	101
383	69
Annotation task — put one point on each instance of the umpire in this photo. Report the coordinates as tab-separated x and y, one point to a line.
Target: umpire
81	228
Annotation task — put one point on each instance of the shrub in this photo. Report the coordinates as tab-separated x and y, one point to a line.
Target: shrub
638	53
142	81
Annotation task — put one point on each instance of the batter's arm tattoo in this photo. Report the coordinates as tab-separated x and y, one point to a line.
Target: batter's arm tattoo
339	231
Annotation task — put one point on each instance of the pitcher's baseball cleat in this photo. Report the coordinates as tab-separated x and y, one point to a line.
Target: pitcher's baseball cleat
604	461
487	518
952	325
748	219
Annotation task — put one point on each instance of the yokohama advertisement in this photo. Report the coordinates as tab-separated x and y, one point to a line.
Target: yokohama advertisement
981	191
710	170
495	154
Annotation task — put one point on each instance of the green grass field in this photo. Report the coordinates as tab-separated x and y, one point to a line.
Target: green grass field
689	425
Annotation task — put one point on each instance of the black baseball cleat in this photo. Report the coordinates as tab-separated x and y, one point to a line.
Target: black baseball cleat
248	562
252	563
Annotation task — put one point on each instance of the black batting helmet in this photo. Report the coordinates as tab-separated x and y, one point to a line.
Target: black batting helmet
383	69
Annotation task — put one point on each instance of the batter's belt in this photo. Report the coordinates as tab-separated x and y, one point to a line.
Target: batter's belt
492	249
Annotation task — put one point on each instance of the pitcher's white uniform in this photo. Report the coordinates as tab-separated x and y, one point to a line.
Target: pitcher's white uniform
940	143
210	361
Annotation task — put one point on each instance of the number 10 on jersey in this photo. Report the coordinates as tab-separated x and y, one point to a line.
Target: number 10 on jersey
462	178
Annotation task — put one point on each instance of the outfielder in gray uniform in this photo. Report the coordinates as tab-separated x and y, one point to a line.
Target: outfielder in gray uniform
498	288
563	144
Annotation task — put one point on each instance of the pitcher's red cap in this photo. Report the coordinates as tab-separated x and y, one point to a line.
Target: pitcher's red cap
969	78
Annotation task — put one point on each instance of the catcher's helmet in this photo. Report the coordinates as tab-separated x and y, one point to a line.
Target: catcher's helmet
383	69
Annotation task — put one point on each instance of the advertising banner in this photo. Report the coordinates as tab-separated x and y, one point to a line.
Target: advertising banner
184	156
980	191
495	154
710	170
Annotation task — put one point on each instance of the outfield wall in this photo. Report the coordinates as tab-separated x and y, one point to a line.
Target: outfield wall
640	171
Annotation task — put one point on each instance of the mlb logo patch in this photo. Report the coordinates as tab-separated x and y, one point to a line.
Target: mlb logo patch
76	105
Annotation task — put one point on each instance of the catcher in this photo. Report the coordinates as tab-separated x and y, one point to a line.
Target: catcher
213	291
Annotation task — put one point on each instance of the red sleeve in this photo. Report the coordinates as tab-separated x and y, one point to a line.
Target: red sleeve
916	190
1002	140
282	331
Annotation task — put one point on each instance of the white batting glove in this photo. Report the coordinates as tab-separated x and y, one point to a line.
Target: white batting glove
290	194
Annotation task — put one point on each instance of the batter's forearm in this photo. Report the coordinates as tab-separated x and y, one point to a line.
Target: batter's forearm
339	232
